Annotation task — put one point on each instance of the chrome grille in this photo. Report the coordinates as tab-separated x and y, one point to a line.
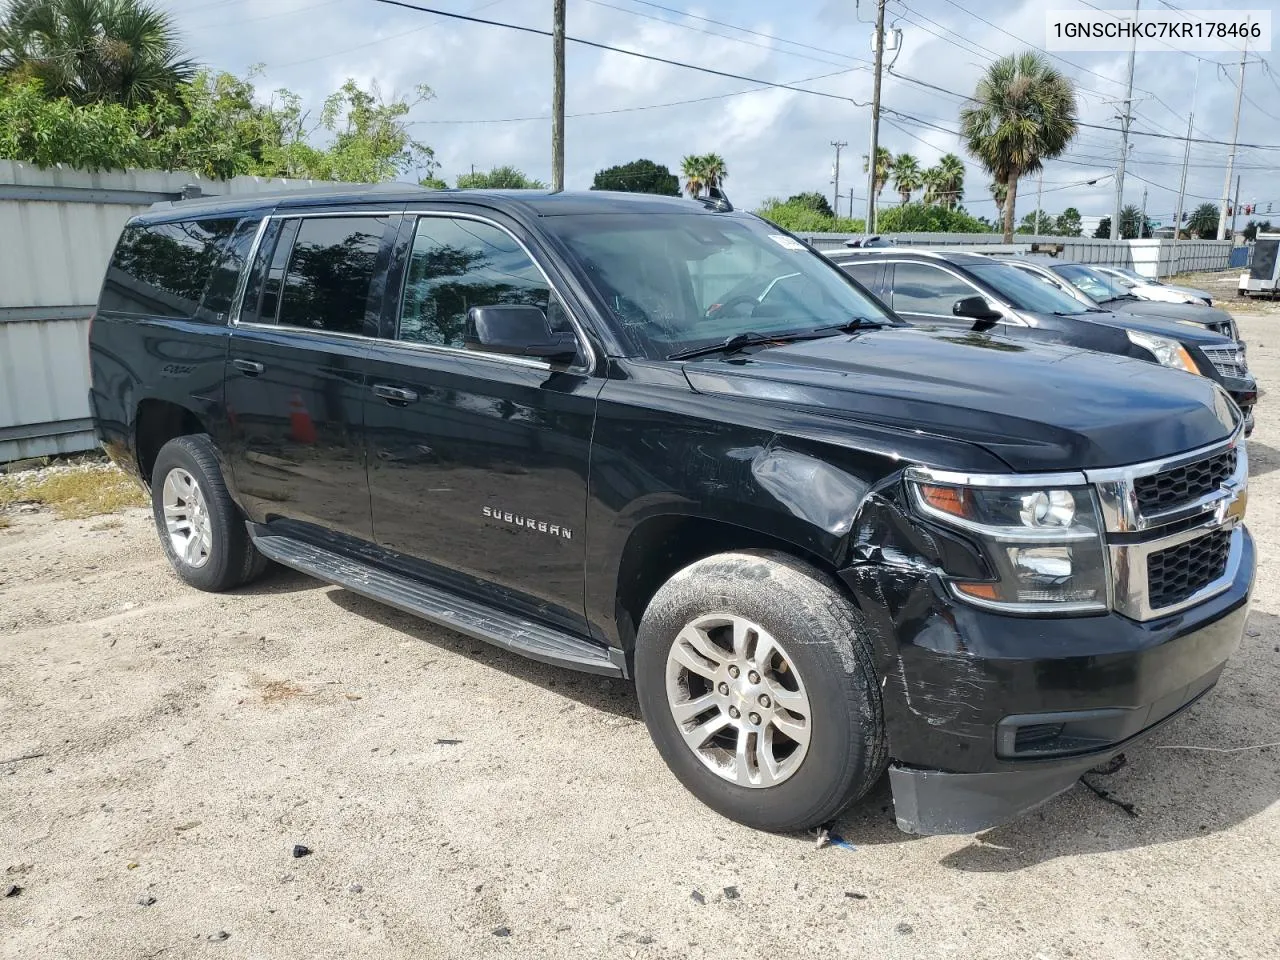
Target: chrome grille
1172	488
1228	360
1180	572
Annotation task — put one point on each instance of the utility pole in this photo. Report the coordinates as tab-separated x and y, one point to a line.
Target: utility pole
1235	208
1124	130
875	121
1142	223
557	97
1039	190
1231	157
835	205
1186	157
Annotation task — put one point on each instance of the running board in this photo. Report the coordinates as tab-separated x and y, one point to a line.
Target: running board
526	637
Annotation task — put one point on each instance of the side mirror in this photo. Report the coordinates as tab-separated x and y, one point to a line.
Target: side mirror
517	329
976	308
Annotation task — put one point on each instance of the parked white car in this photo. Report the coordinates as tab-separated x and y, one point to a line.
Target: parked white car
1145	288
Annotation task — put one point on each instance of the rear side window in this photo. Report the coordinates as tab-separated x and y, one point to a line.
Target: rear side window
328	274
226	274
163	269
867	274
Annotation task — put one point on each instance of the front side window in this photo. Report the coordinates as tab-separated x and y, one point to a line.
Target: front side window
328	274
162	269
457	264
1094	283
1025	292
924	288
677	281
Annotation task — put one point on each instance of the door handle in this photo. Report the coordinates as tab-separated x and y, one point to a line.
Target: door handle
251	367
396	396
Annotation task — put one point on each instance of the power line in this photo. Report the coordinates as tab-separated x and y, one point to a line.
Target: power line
629	53
754	33
712	33
648	106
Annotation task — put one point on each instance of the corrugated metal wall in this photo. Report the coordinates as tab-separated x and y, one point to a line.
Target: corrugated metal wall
57	230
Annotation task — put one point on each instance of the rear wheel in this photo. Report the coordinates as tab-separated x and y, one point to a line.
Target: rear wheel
200	527
755	678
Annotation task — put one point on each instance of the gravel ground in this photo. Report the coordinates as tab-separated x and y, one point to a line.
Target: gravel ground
459	801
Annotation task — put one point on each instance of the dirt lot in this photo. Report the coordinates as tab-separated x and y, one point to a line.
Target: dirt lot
186	742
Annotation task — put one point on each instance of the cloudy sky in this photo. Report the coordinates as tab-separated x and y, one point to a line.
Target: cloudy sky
492	89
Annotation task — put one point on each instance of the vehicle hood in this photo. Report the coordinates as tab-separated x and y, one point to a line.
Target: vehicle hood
1182	312
1039	407
1185	332
1189	291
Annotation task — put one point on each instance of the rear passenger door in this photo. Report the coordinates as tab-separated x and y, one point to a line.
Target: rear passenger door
295	384
478	461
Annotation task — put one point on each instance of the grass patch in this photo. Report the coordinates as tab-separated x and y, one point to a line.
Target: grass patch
75	492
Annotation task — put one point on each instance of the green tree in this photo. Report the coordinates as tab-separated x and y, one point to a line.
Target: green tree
1068	223
1103	230
905	172
707	170
814	201
638	176
1024	113
499	178
1132	226
933	181
999	191
94	51
1204	221
928	218
1253	226
951	186
1028	224
884	168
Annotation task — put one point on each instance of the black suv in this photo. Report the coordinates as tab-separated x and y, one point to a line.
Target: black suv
821	542
1007	296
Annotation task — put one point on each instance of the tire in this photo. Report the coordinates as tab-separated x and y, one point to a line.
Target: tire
223	556
823	664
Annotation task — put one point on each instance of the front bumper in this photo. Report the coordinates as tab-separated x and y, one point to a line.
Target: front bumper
990	715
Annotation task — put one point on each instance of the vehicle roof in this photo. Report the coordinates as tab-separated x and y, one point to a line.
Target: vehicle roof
957	257
537	203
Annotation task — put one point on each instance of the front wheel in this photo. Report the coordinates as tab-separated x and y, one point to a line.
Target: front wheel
756	680
200	527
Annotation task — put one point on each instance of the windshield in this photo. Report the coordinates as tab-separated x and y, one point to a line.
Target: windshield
680	281
1096	284
1024	291
1136	277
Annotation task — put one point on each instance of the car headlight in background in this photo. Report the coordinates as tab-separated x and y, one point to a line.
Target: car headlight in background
1168	353
1044	544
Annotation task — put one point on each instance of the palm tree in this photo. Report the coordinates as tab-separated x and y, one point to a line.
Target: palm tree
714	171
1024	113
884	167
933	181
952	168
694	176
906	176
1131	225
1203	221
998	193
90	51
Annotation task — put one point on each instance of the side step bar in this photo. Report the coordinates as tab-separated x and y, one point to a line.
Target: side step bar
526	637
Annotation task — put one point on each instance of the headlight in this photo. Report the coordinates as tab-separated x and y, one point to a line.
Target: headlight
1168	353
1043	544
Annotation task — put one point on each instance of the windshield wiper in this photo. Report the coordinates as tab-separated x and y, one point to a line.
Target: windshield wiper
741	340
857	323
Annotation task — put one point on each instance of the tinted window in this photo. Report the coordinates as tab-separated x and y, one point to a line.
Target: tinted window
226	274
329	274
922	288
162	269
1026	292
1093	283
867	274
459	264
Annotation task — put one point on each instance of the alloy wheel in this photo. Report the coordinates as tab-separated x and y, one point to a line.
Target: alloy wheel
186	518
